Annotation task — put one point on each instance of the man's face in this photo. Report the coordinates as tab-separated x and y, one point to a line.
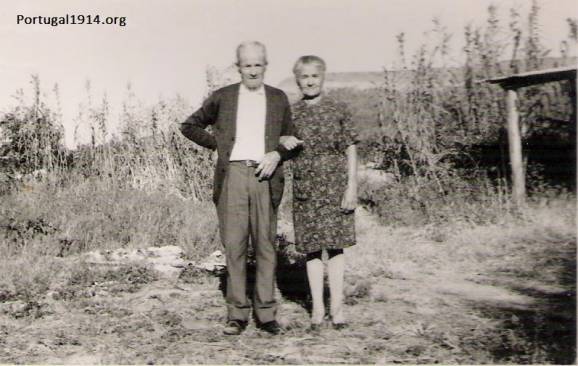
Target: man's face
252	66
310	80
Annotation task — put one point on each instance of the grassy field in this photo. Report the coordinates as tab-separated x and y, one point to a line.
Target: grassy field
500	292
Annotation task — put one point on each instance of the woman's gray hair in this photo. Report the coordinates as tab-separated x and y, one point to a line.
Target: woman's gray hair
307	60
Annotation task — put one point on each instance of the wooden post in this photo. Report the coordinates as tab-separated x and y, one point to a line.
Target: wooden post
573	127
515	146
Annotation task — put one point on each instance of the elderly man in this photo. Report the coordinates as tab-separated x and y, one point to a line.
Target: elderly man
248	120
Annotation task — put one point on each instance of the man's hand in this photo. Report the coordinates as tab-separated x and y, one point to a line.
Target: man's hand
267	165
349	201
290	142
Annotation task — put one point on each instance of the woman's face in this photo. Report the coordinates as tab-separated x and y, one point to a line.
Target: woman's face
310	80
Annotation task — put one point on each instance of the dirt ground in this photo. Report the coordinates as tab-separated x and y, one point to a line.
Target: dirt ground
413	311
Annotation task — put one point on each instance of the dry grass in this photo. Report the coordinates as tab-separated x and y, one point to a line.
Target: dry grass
42	219
457	291
513	276
44	228
411	298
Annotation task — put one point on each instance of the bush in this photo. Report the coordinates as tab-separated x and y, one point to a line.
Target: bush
410	201
31	137
92	215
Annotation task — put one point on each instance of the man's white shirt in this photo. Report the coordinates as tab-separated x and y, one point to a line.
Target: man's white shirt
250	130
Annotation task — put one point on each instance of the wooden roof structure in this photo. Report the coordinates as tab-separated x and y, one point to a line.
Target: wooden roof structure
535	77
510	84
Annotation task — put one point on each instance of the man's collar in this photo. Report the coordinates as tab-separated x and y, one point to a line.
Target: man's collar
260	91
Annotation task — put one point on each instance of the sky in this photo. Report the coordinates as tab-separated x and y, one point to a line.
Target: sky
167	45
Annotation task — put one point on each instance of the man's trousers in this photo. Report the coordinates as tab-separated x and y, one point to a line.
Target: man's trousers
245	210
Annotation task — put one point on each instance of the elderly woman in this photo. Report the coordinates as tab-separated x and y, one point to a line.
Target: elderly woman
324	186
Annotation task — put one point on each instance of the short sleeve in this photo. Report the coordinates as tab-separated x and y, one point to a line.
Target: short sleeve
348	131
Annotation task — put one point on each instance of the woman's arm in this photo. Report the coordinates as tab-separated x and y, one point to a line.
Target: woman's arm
349	201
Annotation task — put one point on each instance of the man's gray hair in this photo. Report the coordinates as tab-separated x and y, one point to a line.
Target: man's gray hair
307	60
251	44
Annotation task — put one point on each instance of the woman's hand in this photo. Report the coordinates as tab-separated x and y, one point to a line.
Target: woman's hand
290	142
349	201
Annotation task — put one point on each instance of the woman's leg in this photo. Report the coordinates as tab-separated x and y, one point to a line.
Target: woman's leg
315	277
336	269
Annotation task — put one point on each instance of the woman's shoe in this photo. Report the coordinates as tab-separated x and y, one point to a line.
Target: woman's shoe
317	318
316	322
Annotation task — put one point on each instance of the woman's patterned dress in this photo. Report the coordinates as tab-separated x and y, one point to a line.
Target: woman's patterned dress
320	176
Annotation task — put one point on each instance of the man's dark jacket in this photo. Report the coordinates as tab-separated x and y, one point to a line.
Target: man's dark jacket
220	111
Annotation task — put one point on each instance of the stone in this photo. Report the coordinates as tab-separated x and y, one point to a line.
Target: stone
167	261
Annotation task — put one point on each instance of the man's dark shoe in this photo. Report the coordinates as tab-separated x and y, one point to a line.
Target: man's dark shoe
339	326
271	327
234	327
315	328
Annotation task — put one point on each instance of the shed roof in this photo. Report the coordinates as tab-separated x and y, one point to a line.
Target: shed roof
535	77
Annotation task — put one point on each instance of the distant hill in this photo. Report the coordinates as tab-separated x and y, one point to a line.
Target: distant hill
364	80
